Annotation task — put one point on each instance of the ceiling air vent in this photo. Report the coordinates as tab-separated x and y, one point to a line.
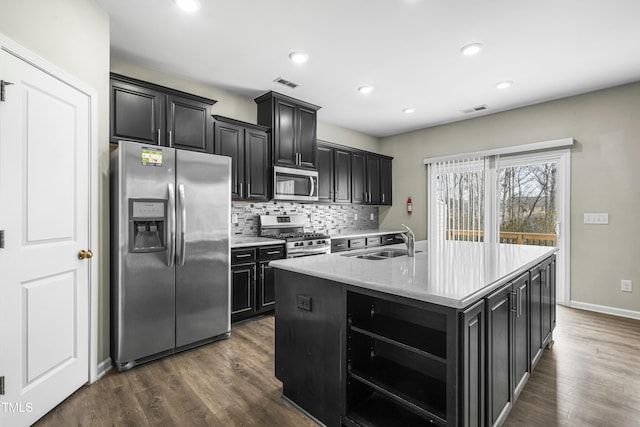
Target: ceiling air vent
287	83
475	109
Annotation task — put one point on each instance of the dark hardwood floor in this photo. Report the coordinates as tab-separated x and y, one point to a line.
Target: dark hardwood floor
591	377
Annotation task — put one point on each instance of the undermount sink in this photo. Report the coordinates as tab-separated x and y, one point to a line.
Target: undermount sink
380	254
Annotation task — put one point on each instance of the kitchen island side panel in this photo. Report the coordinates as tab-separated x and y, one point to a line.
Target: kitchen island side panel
309	317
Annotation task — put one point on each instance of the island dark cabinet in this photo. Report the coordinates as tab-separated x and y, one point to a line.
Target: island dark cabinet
543	308
293	124
535	316
248	147
507	347
401	361
472	396
397	363
152	114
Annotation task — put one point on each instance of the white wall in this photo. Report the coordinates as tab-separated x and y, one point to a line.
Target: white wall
604	178
74	36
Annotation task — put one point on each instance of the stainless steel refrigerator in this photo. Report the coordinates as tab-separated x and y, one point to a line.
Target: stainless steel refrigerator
170	227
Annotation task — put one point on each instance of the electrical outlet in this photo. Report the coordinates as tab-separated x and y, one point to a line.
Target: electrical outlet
596	218
626	285
234	218
372	217
355	217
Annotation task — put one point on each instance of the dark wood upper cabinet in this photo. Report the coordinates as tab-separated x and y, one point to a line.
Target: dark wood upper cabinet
137	113
358	177
373	179
189	124
342	176
385	181
248	147
152	114
293	124
325	173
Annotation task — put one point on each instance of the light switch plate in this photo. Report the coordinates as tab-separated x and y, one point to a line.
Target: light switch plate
626	285
596	218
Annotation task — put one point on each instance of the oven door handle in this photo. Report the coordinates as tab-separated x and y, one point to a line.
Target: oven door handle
307	252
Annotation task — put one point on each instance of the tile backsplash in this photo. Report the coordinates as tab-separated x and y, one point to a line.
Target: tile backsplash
330	219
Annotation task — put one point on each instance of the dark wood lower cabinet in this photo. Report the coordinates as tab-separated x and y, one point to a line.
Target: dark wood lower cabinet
356	357
472	397
253	280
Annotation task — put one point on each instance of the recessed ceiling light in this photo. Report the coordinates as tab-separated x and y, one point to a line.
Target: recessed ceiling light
188	5
365	89
471	49
298	57
409	110
504	85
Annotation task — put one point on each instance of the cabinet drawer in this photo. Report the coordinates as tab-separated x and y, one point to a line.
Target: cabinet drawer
357	243
239	256
374	241
391	239
338	245
271	252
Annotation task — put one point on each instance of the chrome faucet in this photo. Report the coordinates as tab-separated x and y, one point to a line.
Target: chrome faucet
410	240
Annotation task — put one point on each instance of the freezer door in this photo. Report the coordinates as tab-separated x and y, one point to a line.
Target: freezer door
203	193
142	282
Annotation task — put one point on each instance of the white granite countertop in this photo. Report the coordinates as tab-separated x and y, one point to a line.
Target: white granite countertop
352	234
246	241
452	274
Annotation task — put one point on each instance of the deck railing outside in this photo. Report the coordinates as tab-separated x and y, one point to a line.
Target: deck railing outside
514	237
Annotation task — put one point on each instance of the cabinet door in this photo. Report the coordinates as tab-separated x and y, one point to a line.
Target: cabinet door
325	173
499	362
137	114
284	134
306	137
385	181
265	291
521	339
229	141
358	178
242	290
257	164
342	176
535	305
373	179
473	342
189	124
545	290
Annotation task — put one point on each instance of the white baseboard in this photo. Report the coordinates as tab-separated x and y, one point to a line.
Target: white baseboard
103	367
606	309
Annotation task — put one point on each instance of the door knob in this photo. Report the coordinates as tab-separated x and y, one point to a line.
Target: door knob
85	254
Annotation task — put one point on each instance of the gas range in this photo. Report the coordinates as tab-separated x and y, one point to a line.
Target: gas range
290	228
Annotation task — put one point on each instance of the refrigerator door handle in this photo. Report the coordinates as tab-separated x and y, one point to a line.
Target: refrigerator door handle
171	226
183	224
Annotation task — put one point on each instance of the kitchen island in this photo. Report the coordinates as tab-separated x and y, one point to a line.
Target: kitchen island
447	337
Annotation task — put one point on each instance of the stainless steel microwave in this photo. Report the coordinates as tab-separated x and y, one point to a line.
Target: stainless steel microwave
295	184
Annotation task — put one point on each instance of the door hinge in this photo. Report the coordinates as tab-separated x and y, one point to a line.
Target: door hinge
3	84
1	239
2	385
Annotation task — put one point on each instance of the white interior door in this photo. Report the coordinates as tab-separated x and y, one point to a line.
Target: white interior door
44	212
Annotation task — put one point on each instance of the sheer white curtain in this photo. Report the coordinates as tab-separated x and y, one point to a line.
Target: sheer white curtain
457	200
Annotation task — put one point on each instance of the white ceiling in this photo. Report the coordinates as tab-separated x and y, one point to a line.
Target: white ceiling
408	49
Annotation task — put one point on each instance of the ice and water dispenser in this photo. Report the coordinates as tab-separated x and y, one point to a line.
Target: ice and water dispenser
147	225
